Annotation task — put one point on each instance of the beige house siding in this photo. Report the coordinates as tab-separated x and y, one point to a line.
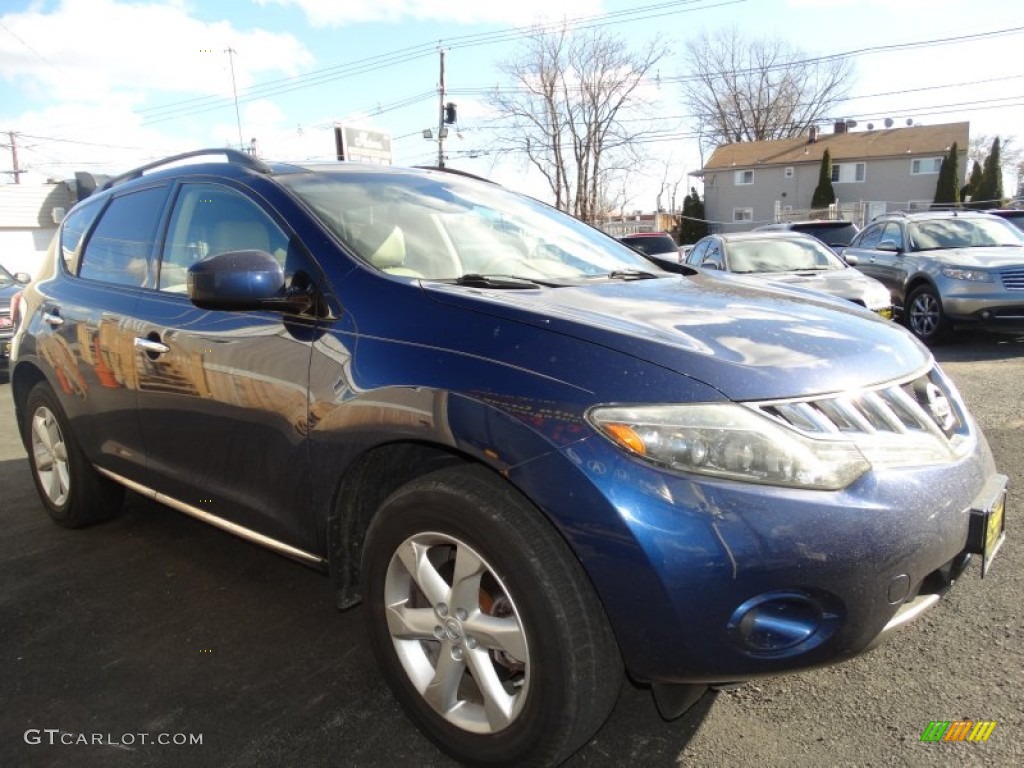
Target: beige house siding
888	182
29	214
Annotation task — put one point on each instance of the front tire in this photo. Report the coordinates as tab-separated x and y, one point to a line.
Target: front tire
924	316
484	624
74	494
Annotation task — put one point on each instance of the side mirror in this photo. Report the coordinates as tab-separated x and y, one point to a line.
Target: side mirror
850	259
709	265
240	281
24	278
888	245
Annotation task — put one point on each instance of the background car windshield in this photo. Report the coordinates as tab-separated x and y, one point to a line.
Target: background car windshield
832	235
652	244
781	256
930	235
440	227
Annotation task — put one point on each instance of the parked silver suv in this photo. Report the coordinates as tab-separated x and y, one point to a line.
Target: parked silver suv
946	268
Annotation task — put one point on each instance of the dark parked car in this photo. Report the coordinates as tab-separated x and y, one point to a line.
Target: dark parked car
1013	215
653	244
10	285
793	259
945	269
538	459
835	233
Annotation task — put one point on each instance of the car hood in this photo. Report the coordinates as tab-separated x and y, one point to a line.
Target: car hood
988	256
844	283
747	341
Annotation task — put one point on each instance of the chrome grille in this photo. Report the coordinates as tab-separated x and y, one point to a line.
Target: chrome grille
927	403
1013	279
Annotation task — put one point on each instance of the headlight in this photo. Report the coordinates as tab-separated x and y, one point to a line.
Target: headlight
963	273
729	441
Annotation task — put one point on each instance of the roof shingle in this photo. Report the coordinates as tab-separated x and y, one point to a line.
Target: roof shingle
852	145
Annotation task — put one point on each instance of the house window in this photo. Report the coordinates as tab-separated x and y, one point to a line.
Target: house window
846	173
742	214
788	173
743	177
925	165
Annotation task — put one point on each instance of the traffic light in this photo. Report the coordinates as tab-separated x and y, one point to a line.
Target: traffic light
449	113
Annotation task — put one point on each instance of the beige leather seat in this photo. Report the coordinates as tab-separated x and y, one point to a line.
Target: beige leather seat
386	246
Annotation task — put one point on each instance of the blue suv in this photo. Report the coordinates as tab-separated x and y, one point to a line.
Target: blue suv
537	458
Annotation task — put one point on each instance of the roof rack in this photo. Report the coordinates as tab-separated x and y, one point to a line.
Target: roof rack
455	171
233	156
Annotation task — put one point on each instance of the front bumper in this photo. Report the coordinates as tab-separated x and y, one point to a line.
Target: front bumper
981	302
682	565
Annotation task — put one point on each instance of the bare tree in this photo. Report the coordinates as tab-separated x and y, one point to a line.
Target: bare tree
563	113
741	89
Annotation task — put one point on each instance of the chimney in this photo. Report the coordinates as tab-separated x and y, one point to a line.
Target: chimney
839	127
812	134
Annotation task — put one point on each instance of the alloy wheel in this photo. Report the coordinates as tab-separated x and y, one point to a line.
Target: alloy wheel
925	315
457	632
50	457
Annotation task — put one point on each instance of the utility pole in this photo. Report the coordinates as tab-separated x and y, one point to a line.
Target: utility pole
231	59
14	156
441	129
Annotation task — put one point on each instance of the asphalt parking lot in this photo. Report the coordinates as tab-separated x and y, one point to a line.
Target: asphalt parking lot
155	626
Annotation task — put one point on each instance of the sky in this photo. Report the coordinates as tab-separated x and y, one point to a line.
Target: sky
106	85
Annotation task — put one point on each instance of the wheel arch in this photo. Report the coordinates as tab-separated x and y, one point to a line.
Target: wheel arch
367	482
915	282
23	378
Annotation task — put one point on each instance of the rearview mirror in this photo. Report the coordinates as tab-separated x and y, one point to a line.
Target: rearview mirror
22	277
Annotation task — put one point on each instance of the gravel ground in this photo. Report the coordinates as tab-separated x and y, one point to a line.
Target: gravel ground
156	623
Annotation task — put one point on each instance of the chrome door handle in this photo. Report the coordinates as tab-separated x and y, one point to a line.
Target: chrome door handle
153	347
53	319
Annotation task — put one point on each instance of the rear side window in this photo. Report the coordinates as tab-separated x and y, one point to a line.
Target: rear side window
72	231
119	249
697	254
871	237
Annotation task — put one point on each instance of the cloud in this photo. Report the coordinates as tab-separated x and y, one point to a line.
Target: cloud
86	50
324	13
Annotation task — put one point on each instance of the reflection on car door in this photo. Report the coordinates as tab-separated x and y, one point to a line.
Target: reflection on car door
223	395
889	266
87	335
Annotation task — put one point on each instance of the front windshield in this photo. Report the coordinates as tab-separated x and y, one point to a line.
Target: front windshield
441	226
781	256
933	234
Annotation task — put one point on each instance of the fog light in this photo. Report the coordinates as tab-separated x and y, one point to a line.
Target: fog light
781	623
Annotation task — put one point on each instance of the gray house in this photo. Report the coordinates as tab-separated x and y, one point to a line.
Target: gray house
873	171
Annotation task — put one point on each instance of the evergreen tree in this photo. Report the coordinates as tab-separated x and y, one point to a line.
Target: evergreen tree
693	226
990	191
947	188
824	195
971	187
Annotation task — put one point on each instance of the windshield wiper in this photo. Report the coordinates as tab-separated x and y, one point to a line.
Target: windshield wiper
631	274
477	280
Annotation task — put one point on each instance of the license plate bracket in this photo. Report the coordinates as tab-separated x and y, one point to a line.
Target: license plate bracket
987	530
